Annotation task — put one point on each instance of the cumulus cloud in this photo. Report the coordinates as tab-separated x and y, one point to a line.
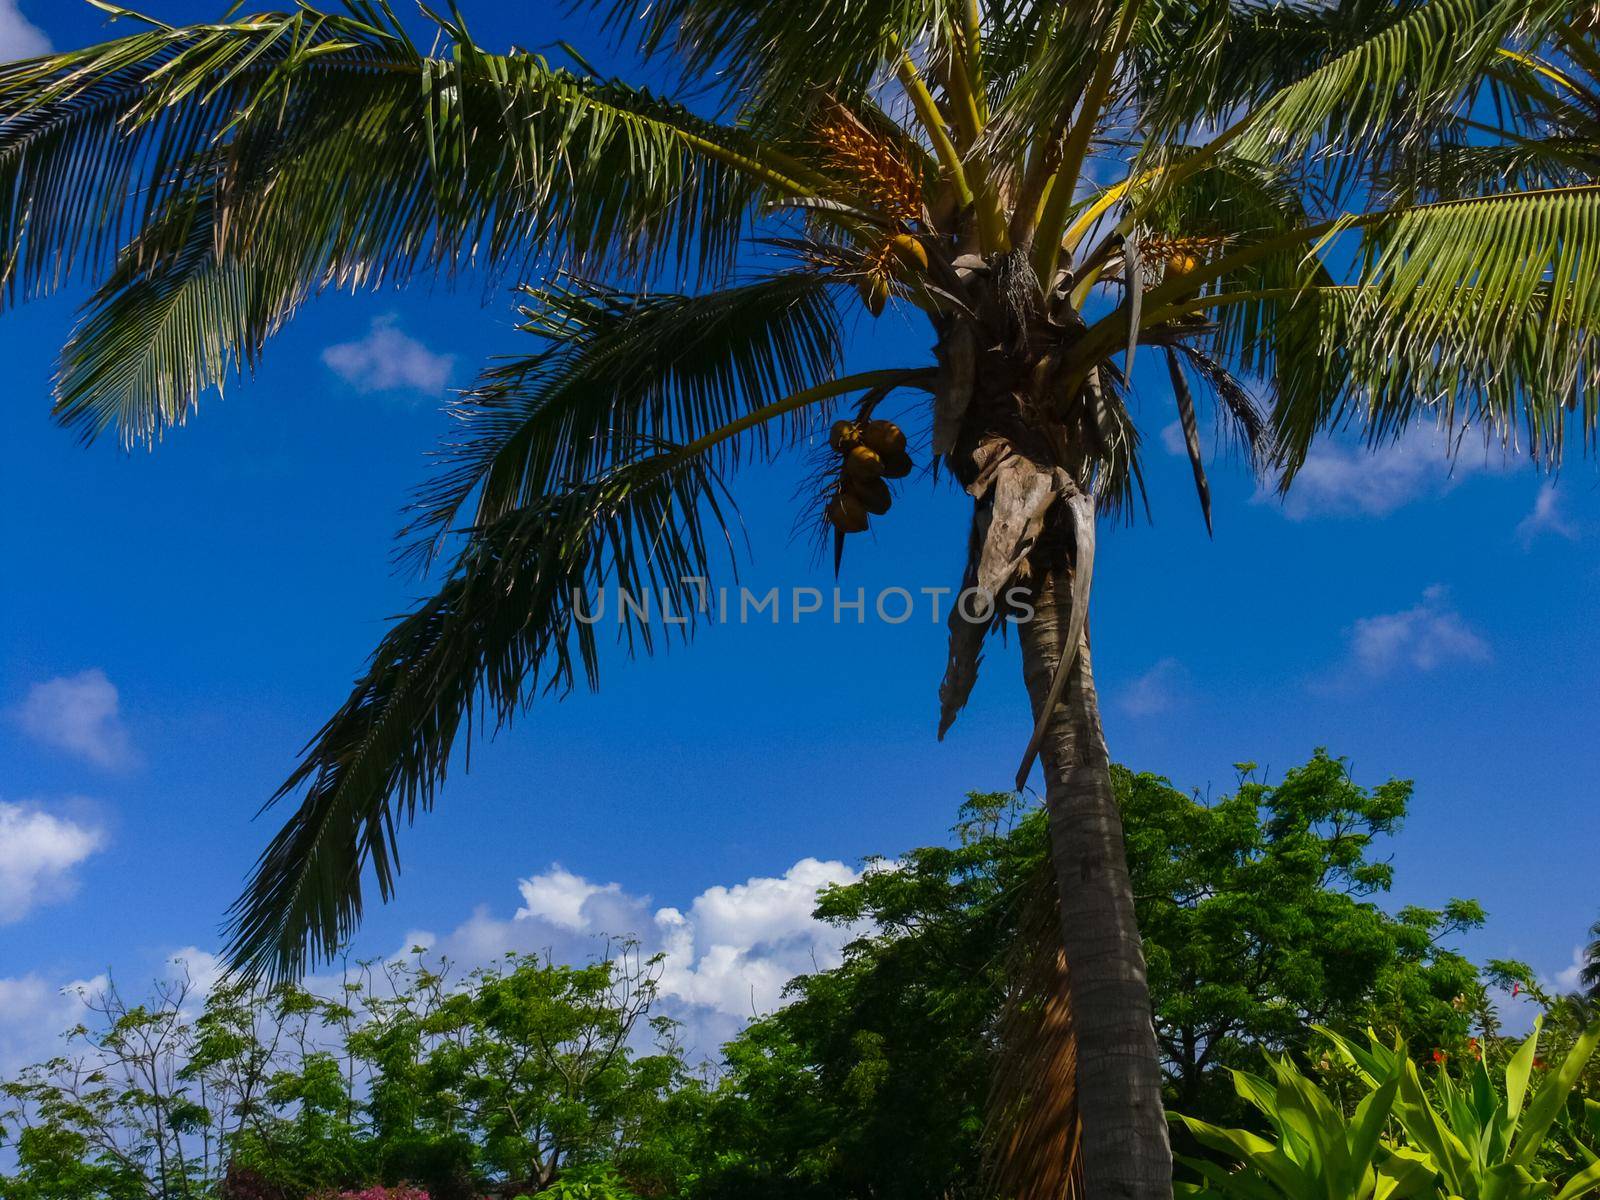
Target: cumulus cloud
34	1016
80	714
1570	977
561	898
1158	690
1545	517
1425	637
39	853
1343	480
19	37
388	360
728	953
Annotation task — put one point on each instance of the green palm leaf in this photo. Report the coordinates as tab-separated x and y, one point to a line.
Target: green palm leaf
503	627
1392	85
622	369
327	150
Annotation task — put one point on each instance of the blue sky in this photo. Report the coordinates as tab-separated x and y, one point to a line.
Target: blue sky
177	624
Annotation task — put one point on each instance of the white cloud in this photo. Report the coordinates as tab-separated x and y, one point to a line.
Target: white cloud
80	714
736	947
728	953
203	969
38	855
387	360
1342	480
1423	638
19	37
1172	438
1545	517
560	897
34	1016
1570	977
1157	691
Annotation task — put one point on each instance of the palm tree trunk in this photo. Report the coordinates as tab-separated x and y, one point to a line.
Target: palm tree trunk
1126	1154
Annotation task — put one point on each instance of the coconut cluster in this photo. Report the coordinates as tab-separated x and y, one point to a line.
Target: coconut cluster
870	452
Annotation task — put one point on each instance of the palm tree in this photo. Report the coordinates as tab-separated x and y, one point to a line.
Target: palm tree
1052	186
1589	977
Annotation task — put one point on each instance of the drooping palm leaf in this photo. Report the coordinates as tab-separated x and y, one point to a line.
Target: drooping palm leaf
330	151
512	619
502	627
622	369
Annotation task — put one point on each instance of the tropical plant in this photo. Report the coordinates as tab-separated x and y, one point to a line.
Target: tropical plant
1053	186
1319	1154
517	1076
1490	1139
1476	1137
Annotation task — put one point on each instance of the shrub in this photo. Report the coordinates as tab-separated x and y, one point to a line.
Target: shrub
1510	1135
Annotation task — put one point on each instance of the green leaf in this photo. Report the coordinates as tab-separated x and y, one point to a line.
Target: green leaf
1519	1069
1550	1096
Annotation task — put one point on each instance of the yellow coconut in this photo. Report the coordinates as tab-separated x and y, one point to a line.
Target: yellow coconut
862	463
844	435
911	252
874	289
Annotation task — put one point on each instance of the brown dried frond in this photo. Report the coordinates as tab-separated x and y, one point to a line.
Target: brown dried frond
872	162
1034	1137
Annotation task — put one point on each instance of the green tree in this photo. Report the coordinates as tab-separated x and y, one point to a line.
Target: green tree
1259	922
1051	185
1260	918
534	1063
54	1163
515	1075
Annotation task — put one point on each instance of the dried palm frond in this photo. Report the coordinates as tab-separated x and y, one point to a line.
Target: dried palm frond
1034	1133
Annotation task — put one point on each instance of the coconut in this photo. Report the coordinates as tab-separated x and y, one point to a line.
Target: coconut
873	494
910	251
874	289
885	437
844	435
862	463
897	465
846	513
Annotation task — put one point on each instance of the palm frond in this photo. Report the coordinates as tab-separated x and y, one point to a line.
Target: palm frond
623	368
511	621
1484	311
383	162
1392	85
502	628
781	59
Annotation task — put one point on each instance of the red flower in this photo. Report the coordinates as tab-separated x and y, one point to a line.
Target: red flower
1439	1056
1472	1044
1539	1064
